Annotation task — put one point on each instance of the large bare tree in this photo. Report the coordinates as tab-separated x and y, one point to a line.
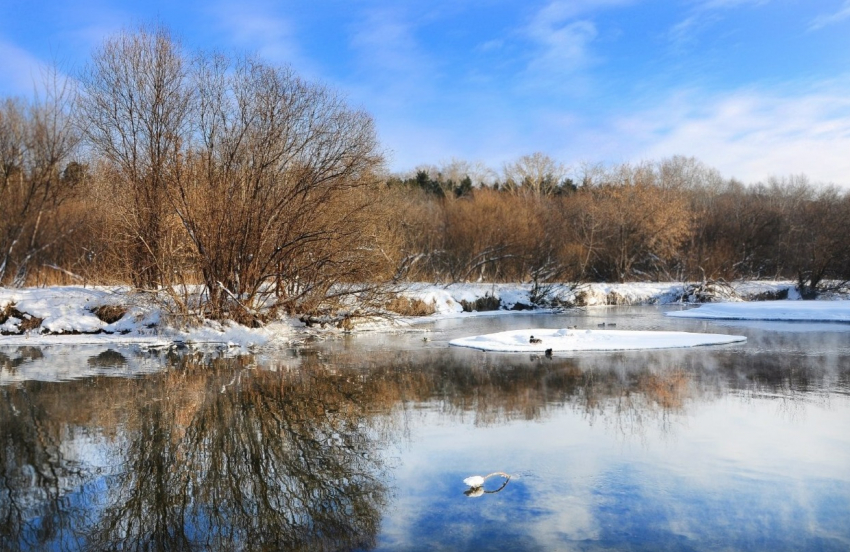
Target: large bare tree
264	176
275	192
536	173
134	111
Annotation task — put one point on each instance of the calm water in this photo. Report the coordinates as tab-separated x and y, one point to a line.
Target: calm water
362	443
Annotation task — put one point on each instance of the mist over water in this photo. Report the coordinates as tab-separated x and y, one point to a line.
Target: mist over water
362	442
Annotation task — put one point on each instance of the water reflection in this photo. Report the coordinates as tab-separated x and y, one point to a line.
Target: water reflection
292	454
207	455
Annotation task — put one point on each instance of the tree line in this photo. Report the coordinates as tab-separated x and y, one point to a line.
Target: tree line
164	168
672	220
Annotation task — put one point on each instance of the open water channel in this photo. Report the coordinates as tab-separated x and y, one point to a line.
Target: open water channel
362	442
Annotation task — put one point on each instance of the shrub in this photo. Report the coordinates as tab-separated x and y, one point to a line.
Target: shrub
109	313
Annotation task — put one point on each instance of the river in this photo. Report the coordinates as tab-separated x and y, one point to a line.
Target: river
362	442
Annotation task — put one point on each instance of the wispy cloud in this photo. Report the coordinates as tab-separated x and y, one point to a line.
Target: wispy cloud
258	27
750	134
565	47
725	4
702	15
558	11
684	32
563	32
386	41
22	70
832	18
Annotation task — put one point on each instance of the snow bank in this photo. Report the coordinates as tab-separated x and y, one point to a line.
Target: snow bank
68	318
518	341
793	311
449	299
66	315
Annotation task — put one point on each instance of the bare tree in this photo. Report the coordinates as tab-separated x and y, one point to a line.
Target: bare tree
640	225
536	173
133	111
275	193
817	239
37	175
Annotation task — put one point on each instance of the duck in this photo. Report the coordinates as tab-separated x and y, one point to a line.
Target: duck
533	339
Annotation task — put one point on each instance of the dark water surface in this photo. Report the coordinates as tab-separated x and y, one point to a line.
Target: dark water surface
362	443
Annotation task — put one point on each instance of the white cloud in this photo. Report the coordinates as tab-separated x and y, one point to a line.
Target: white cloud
565	49
558	11
259	28
749	134
829	19
702	15
22	70
563	32
726	4
387	44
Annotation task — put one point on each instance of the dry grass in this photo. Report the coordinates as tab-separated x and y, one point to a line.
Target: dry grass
482	304
6	312
109	313
28	322
405	306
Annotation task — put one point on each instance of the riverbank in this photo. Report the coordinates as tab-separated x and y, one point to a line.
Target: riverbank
88	315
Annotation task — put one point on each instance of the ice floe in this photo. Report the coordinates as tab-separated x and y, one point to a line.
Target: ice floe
563	340
794	311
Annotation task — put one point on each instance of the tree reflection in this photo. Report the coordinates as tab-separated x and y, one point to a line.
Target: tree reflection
34	476
11	360
248	460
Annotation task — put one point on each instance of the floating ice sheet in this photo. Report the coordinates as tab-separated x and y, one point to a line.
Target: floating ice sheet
795	311
519	341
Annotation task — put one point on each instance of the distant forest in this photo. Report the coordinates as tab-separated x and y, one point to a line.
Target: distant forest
156	167
672	220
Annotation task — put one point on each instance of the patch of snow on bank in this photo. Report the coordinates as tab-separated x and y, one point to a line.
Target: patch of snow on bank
63	309
67	319
517	341
443	301
794	311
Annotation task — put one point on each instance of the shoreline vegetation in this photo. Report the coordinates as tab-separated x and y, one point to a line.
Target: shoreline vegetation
184	189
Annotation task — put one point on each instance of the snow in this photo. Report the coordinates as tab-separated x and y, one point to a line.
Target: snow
68	319
792	311
447	299
68	316
563	340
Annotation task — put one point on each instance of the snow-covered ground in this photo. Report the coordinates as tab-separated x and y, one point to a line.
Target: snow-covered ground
448	300
789	311
68	318
563	340
67	315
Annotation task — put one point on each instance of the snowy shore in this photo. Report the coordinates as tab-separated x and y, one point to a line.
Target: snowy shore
75	315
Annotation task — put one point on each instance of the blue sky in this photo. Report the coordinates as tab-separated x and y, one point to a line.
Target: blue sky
753	88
